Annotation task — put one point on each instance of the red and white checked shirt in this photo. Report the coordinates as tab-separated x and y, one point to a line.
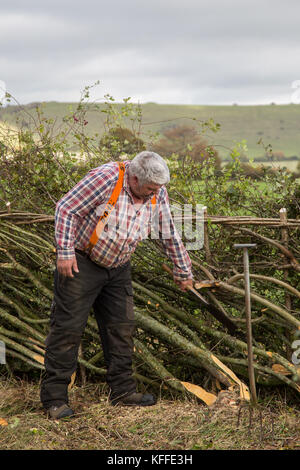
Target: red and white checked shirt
78	212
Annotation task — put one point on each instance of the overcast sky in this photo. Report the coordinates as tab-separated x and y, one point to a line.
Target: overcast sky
166	51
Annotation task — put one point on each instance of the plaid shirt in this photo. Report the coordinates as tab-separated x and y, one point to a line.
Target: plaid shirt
78	212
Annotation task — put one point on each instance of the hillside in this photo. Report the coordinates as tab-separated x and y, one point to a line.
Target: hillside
277	125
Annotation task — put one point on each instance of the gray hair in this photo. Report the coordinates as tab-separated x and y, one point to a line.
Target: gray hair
149	167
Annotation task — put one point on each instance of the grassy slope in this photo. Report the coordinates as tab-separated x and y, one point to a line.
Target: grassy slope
170	424
277	125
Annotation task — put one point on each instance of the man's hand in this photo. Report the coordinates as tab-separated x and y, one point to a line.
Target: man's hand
184	285
65	267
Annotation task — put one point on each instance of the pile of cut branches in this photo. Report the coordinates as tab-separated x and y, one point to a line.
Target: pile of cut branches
178	343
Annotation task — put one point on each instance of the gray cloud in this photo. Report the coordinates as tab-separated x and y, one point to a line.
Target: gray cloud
164	51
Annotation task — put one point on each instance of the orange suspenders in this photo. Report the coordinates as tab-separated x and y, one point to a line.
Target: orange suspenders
109	207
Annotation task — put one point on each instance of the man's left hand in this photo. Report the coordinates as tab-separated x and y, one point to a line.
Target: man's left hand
184	285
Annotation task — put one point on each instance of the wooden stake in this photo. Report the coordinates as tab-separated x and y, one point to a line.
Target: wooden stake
248	319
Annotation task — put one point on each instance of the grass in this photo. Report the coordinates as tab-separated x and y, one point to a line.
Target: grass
277	125
169	425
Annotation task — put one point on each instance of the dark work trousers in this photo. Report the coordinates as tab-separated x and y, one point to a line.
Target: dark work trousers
109	292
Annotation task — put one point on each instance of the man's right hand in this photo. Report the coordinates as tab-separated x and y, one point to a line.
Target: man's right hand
65	267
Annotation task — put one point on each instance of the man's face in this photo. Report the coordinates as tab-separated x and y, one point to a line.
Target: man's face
145	190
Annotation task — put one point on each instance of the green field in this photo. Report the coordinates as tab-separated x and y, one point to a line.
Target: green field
277	125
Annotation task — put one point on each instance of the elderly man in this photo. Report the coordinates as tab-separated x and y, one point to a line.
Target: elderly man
93	271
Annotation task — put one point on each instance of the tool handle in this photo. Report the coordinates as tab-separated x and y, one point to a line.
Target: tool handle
167	269
218	314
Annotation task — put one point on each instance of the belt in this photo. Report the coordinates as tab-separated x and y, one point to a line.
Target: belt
86	255
82	253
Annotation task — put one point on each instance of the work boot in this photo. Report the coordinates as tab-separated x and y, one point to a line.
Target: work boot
135	399
59	412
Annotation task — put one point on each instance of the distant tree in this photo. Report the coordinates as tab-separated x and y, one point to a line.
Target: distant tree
175	140
254	172
121	140
275	156
185	140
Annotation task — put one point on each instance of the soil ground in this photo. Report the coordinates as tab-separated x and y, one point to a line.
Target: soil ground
169	425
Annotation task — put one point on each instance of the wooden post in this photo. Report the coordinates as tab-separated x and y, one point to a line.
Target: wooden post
288	301
251	374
